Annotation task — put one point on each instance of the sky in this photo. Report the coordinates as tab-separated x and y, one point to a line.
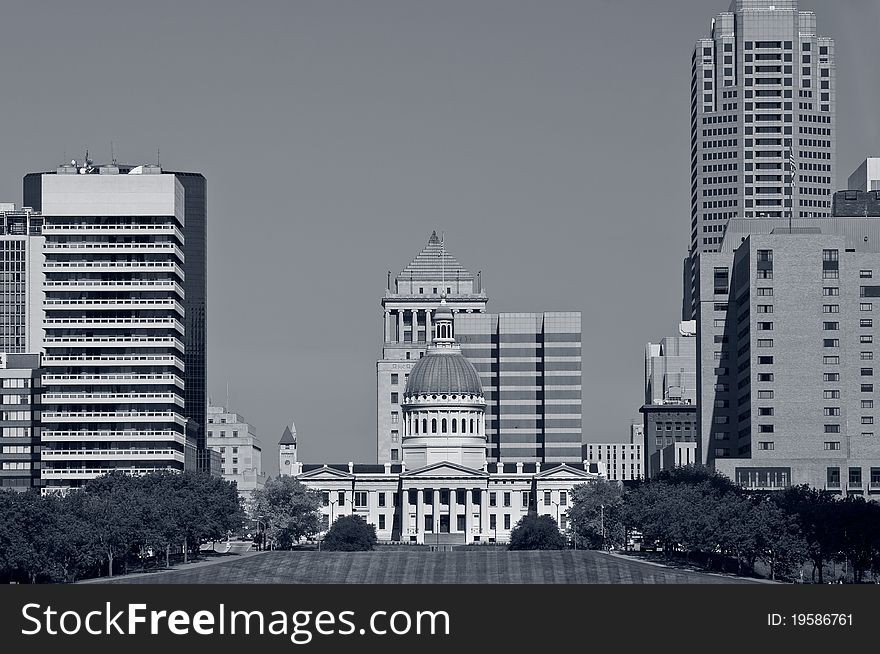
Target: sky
548	140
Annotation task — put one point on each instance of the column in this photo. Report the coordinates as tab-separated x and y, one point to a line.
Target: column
469	515
453	510
428	325
400	325
484	512
420	516
436	515
387	326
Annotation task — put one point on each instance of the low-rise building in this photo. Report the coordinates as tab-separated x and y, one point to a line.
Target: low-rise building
241	453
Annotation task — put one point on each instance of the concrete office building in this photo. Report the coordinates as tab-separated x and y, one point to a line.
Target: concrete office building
762	93
621	461
854	205
114	381
786	345
670	411
21	279
529	363
444	492
189	271
20	422
241	452
866	177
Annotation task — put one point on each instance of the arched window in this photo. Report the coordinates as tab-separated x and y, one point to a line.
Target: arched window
424	425
454	429
473	431
415	424
444	426
464	425
433	425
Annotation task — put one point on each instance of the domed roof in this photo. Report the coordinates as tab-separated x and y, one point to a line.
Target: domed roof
443	371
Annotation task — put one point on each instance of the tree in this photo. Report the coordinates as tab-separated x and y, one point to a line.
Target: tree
536	532
858	533
350	533
815	512
780	542
288	510
596	514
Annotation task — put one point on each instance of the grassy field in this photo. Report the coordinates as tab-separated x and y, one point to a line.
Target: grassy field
421	567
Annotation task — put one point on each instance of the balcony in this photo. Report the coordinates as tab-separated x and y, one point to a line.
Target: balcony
50	361
114	305
115	323
112	398
77	417
110	248
110	341
114	266
118	285
71	229
97	436
91	473
127	379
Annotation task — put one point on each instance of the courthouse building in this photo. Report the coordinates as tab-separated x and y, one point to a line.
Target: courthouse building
444	491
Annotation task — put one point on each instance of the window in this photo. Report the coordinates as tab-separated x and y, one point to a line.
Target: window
492	521
831	376
394	398
867	420
830	342
866	356
832	445
765	342
865	274
867	404
395	435
394	378
765	360
831	395
765	411
765	395
831	361
507	521
546	498
766	445
395	417
493	499
866	322
340	498
855	477
765	292
563	498
831	326
866	338
867	372
865	306
325	498
832	429
506	499
867	388
525	498
832	410
765	429
830	291
830	308
394	455
765	376
381	499
832	479
360	499
765	256
381	521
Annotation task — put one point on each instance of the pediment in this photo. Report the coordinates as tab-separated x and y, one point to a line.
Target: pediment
445	469
325	472
566	471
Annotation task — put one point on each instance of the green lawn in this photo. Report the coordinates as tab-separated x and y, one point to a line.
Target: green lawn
492	566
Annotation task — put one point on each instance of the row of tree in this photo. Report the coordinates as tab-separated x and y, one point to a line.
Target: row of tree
697	513
111	522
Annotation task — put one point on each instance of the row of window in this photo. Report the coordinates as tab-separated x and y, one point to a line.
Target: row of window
361	498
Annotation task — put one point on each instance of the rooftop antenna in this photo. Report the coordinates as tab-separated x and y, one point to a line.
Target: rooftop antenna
157	155
443	258
227	395
112	154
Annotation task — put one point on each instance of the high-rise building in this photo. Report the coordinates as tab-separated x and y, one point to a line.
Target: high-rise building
762	103
408	305
670	409
21	279
866	177
241	452
786	344
529	363
114	274
191	273
19	421
530	367
623	461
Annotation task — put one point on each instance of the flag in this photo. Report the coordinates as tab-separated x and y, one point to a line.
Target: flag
792	165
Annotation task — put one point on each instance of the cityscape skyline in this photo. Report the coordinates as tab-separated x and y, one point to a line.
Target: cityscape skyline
503	179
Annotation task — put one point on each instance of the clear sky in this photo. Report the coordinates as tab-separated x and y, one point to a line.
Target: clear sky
549	140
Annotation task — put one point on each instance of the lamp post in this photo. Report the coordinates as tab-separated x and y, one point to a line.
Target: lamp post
602	524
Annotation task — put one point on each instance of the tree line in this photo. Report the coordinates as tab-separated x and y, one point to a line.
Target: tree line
695	513
112	522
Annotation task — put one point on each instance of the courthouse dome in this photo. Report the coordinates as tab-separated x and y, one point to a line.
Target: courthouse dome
443	372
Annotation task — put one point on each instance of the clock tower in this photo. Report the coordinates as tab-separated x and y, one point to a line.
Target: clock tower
287	451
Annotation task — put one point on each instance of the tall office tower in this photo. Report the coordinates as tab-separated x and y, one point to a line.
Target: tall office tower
787	347
408	328
241	452
114	346
670	409
193	280
866	177
19	421
530	369
762	97
21	280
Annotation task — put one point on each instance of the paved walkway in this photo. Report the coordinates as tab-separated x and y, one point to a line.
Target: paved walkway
156	575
